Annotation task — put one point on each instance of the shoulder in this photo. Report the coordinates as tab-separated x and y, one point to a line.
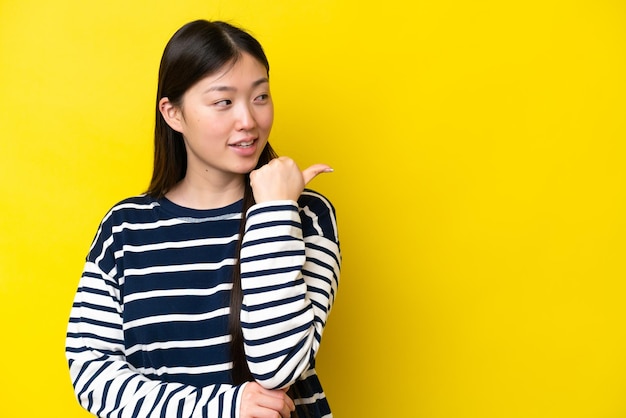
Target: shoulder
126	213
132	205
312	198
140	202
132	210
317	214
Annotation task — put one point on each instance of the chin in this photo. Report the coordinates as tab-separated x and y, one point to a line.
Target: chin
246	169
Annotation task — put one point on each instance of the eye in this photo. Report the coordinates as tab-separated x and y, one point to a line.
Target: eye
223	103
262	98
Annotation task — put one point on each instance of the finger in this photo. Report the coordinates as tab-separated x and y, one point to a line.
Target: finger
309	173
286	399
278	402
290	403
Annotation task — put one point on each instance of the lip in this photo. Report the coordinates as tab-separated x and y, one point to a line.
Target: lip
238	142
244	151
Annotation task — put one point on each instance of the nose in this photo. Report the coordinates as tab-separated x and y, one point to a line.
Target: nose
245	118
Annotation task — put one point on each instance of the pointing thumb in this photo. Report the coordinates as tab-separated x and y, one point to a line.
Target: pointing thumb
311	172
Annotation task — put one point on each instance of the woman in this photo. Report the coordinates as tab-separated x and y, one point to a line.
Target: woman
207	296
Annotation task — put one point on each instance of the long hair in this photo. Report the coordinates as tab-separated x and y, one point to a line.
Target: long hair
195	51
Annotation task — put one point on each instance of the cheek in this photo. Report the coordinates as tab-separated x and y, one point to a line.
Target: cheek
214	125
267	119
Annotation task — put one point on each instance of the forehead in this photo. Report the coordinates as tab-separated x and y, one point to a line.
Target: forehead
245	71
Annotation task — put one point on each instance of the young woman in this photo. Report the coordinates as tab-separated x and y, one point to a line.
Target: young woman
207	296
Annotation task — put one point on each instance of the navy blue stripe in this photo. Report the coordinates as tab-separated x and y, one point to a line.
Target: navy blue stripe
138	407
321	307
94	336
273	303
277	238
87	385
279	254
233	411
157	400
168	399
269	375
323	250
276	337
214	391
94	291
97	307
120	394
317	276
85	349
181	408
317	290
288	379
270	224
263	289
178	304
90	401
275	208
220	406
108	281
284	318
83	368
95	322
105	394
269	272
325	266
272	356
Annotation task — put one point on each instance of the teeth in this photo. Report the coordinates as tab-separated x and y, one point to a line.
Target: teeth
245	144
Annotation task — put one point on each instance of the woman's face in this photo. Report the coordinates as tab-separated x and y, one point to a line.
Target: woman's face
226	119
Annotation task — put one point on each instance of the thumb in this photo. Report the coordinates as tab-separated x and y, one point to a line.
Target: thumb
311	172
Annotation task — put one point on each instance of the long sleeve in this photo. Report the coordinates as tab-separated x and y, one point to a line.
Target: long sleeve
290	264
106	384
147	335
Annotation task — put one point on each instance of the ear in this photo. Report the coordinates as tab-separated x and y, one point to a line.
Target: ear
172	114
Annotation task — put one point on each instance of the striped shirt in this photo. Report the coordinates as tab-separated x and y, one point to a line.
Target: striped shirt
148	331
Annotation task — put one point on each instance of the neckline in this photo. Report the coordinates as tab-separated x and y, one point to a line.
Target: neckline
182	211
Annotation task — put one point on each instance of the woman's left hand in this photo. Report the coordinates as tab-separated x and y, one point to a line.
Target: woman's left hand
281	179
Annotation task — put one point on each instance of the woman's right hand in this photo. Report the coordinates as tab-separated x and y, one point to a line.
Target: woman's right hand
258	402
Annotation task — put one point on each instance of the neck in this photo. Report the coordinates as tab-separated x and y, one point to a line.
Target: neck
199	192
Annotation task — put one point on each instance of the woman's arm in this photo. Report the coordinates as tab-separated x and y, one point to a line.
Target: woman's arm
106	384
290	264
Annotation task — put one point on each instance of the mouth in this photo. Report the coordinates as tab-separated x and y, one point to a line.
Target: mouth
244	144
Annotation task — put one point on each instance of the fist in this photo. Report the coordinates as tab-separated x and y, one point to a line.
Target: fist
259	402
281	179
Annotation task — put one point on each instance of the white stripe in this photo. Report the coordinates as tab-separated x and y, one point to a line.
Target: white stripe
177	292
157	319
312	399
273	231
280	262
268	249
223	339
186	370
180	267
176	244
265	281
117	208
330	210
308	212
145	226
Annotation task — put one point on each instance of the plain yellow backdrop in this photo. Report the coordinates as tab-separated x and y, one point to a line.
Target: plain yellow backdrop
479	180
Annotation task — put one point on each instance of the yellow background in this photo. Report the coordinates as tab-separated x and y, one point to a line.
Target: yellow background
479	159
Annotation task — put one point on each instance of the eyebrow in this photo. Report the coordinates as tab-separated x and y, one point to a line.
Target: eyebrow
230	88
